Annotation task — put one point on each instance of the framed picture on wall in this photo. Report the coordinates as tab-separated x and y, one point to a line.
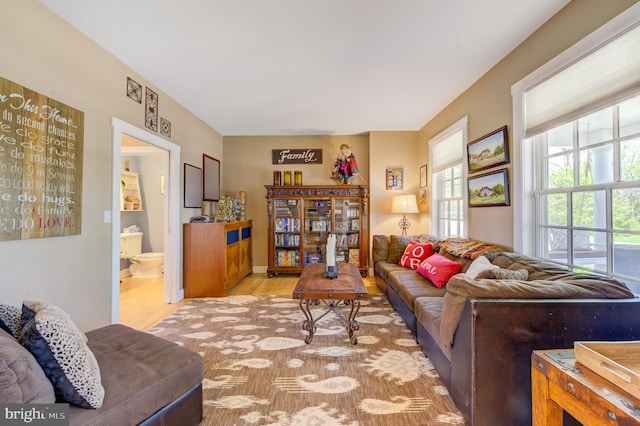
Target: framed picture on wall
394	178
210	178
192	186
488	190
488	151
423	176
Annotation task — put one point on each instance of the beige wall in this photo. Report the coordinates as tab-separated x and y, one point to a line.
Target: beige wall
247	167
389	149
488	102
45	54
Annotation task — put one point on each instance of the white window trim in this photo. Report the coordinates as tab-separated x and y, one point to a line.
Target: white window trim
460	125
523	211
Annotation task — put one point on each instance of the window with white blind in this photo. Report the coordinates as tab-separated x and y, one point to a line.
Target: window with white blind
446	153
577	129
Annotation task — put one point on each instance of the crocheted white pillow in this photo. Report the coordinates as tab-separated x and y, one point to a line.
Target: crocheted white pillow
61	350
10	319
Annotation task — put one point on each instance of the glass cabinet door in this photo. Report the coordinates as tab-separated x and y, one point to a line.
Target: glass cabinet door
347	229
317	225
287	232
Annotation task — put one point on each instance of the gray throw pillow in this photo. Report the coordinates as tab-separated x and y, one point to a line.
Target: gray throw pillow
22	381
504	274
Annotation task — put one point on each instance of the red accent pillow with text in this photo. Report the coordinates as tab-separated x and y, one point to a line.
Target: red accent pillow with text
415	253
438	269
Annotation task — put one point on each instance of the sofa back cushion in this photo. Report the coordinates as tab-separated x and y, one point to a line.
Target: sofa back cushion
539	269
397	245
380	251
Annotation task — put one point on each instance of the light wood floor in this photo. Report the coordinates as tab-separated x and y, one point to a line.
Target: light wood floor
142	306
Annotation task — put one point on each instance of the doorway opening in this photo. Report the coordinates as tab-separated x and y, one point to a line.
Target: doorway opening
169	184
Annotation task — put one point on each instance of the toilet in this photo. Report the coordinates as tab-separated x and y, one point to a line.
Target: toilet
143	265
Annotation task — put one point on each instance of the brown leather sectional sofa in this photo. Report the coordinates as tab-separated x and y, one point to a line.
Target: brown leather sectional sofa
479	334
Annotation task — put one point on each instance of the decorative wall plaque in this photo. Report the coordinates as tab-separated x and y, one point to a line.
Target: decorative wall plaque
296	156
41	144
134	90
165	127
151	110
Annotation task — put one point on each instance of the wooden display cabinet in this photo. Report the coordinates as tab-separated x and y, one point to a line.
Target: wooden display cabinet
301	217
217	256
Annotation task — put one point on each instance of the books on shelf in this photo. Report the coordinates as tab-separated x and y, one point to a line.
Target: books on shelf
287	224
352	239
354	256
289	240
287	257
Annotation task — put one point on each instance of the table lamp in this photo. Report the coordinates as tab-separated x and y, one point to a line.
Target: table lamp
404	204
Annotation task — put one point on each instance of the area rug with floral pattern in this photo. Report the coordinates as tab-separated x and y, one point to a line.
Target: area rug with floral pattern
260	371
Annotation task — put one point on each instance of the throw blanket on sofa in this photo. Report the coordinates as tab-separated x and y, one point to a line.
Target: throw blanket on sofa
460	287
469	249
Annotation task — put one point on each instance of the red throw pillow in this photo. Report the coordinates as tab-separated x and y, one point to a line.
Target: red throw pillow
415	253
438	269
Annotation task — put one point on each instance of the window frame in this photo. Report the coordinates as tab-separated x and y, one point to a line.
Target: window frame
438	183
524	209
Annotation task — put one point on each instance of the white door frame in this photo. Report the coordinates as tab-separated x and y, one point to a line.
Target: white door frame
172	291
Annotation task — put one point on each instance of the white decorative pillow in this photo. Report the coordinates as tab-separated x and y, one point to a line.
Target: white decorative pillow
480	264
61	350
10	319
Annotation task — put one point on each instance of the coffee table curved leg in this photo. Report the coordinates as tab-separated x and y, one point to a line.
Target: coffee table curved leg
308	324
352	324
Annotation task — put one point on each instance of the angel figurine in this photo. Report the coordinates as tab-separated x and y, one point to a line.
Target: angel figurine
346	166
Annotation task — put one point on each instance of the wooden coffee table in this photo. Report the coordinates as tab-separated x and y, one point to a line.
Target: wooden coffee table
346	290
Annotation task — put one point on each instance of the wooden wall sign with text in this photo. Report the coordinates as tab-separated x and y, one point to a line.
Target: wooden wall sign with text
296	156
41	142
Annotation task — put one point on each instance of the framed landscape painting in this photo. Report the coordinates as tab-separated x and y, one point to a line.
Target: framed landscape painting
491	189
488	151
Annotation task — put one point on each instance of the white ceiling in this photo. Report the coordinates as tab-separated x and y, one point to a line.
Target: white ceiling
294	67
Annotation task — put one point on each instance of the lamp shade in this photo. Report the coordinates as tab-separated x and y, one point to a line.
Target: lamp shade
404	204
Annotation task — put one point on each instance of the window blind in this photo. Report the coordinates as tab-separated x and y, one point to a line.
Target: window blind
447	152
605	76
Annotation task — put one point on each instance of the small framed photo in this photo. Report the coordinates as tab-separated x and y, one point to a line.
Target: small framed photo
423	176
192	186
355	224
395	178
341	226
488	190
488	151
318	226
423	196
